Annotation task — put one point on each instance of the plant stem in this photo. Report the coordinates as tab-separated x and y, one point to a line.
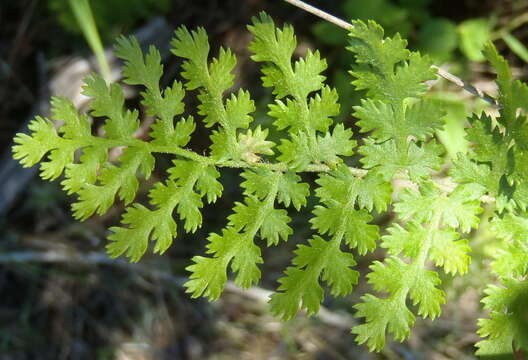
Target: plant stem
191	155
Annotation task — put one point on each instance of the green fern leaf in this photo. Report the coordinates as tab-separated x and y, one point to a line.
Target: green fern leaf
30	149
114	180
358	233
446	251
326	149
459	210
142	224
57	160
396	318
274	46
75	125
108	101
188	182
339	191
510	255
208	275
391	74
421	120
166	107
321	108
274	223
86	171
333	145
449	252
512	96
253	143
404	240
465	170
238	107
389	161
290	189
300	287
138	69
307	72
236	244
374	193
166	104
193	46
507	327
377	58
302	113
296	151
370	47
398	279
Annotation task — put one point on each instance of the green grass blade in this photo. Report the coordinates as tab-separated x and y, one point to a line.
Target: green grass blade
84	16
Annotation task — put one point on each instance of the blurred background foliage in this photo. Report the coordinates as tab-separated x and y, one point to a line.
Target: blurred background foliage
61	298
114	17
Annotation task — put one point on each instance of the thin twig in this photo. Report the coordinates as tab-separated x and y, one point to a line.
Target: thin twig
320	13
446	75
466	86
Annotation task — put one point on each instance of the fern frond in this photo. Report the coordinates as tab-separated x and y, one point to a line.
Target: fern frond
339	191
500	146
236	247
300	287
290	189
213	79
507	326
436	240
187	184
108	101
303	114
114	180
399	147
391	74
